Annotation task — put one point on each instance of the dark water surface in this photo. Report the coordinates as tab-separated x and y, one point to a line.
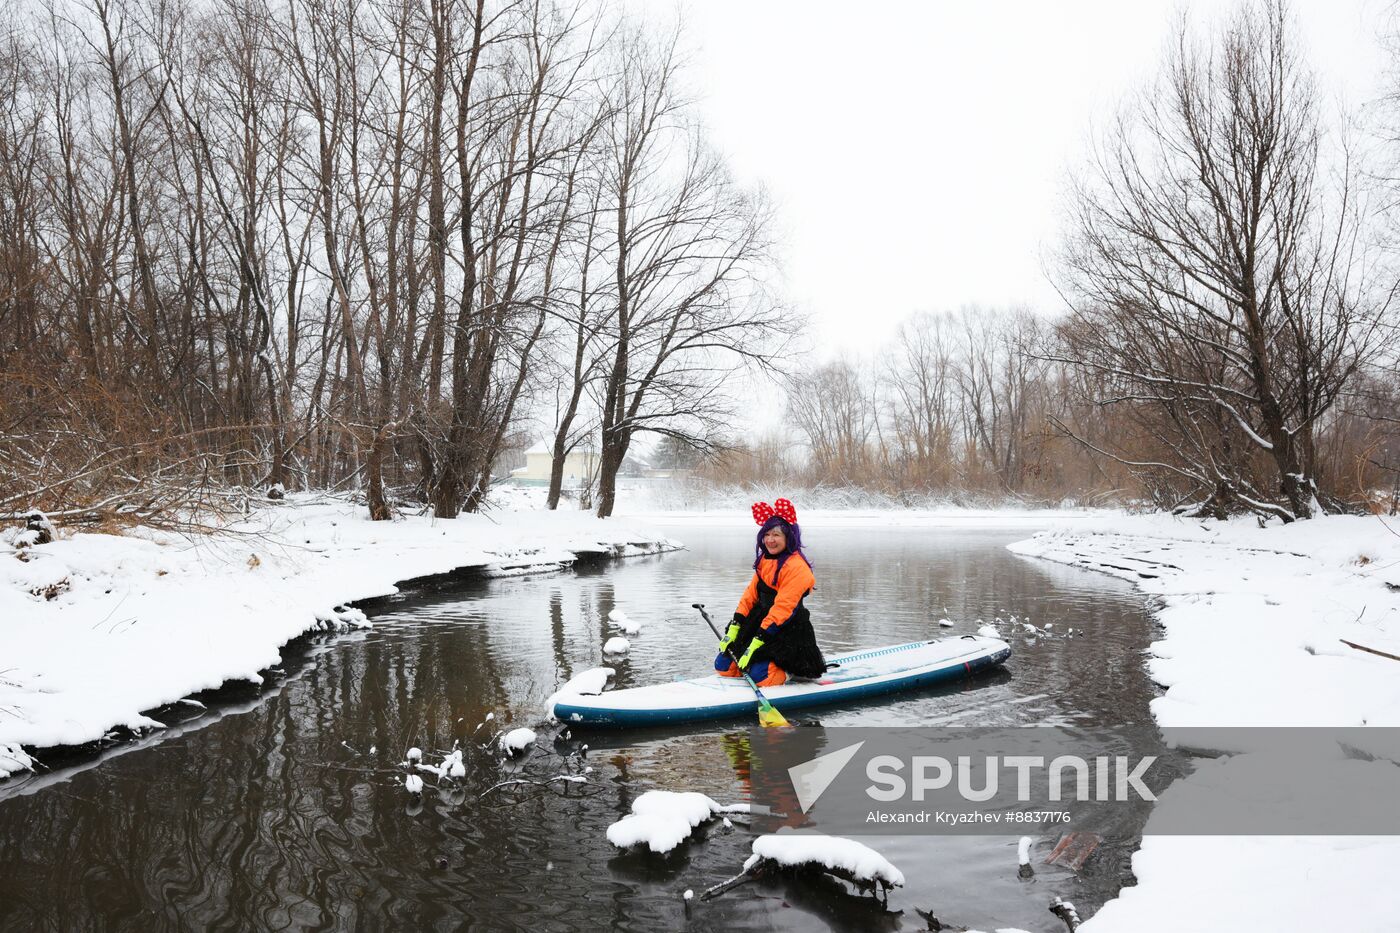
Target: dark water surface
268	811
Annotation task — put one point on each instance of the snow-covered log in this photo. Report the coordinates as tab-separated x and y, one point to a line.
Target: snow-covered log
844	858
1065	911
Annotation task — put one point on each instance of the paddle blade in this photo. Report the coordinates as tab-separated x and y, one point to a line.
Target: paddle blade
768	716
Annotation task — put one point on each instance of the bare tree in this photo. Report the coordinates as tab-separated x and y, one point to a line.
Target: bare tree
688	250
834	406
330	243
581	321
922	389
1214	277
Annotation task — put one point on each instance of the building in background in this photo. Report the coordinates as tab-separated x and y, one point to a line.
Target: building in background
580	467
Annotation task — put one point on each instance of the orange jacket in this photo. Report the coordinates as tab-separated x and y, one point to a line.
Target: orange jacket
792	584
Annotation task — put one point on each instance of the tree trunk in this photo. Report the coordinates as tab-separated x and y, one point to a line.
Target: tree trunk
615	444
556	465
379	510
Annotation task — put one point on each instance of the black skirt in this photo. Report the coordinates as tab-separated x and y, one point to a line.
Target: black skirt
792	645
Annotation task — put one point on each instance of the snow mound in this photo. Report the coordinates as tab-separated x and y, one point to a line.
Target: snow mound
694	807
858	860
517	740
662	820
616	645
946	623
659	832
621	620
988	631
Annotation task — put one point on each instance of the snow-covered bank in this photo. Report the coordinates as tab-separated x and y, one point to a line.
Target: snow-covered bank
1255	622
1251	614
99	628
820	519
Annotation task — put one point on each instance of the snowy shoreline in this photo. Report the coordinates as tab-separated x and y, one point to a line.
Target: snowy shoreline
1253	626
100	629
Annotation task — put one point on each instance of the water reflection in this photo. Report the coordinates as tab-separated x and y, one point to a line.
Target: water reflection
269	811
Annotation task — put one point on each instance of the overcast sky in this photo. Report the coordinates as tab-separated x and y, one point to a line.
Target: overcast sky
917	151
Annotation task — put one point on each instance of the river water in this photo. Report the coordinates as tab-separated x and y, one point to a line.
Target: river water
281	806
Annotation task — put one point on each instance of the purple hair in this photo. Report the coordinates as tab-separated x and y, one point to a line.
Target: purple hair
791	532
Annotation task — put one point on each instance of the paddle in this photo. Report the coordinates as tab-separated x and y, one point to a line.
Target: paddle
767	715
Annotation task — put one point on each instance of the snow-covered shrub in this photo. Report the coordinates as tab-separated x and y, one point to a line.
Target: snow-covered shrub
662	820
517	740
342	619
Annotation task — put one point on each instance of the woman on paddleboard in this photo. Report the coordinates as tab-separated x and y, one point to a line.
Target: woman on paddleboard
772	634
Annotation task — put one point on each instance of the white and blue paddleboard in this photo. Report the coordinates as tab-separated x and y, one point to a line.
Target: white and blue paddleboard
859	675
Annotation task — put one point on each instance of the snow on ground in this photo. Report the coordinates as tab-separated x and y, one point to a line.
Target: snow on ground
1250	614
99	628
1253	626
855	858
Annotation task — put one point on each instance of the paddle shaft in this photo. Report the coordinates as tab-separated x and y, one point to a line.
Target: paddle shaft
706	616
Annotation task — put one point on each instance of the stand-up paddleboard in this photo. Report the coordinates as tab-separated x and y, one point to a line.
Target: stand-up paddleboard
859	675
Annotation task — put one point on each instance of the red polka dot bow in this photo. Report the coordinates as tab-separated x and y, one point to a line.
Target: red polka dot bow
782	508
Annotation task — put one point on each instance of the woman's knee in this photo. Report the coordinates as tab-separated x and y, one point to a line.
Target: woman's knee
767	674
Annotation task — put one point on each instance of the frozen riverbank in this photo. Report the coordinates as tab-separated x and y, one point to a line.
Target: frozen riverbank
100	628
1255	629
